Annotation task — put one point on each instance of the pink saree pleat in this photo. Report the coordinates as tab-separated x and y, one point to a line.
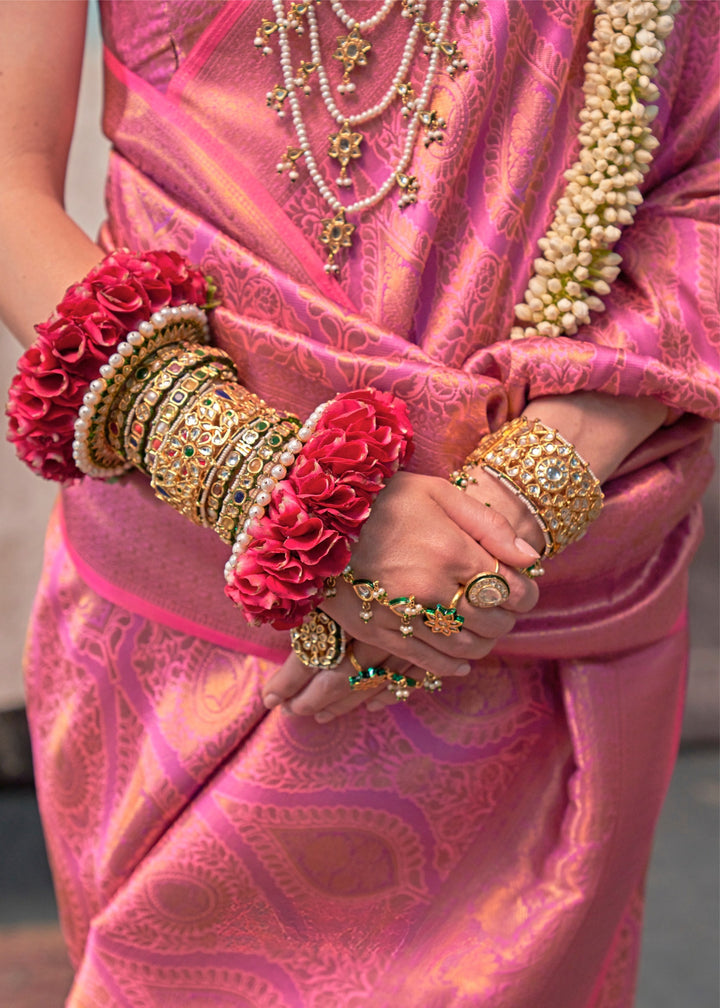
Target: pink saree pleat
484	847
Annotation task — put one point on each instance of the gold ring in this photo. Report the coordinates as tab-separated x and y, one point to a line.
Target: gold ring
365	678
319	642
445	619
487	589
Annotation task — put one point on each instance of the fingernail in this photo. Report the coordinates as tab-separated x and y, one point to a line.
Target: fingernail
375	706
323	716
462	670
272	700
524	547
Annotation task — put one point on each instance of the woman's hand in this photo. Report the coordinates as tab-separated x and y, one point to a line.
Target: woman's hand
422	533
327	694
426	538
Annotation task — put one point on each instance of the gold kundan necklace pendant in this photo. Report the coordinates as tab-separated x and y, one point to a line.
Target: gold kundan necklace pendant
345	147
336	234
352	51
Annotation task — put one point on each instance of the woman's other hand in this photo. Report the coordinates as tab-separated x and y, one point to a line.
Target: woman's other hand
425	538
326	694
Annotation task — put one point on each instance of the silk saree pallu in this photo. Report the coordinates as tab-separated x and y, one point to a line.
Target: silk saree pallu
484	846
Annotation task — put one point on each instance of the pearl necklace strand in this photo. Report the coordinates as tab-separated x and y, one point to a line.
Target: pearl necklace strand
361	26
388	97
337	232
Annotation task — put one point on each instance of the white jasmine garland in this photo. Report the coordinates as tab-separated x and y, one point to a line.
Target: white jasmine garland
577	265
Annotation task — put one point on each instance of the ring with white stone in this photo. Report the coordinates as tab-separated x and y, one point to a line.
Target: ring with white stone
487	589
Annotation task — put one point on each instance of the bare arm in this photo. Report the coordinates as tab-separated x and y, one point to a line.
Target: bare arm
42	250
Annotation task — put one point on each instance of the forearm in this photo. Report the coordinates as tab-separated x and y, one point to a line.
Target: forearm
604	429
42	252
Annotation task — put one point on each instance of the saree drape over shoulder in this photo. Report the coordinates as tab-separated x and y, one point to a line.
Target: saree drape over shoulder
484	846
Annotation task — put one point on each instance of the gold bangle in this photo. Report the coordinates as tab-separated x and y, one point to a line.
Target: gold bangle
538	465
217	484
257	417
202	362
141	415
189	451
175	399
184	332
135	386
246	487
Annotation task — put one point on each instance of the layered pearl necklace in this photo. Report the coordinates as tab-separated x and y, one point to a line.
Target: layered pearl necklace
346	144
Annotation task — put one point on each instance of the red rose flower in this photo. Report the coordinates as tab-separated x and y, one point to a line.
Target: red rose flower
342	503
104	332
375	420
37	358
79	302
187	284
124	298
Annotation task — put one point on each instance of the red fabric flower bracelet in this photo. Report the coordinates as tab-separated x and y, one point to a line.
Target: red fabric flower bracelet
85	330
119	377
314	516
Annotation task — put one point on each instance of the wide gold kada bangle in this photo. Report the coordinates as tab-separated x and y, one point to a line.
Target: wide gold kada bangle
537	464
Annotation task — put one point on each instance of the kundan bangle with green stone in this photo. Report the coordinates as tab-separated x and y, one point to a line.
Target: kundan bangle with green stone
190	451
131	419
91	451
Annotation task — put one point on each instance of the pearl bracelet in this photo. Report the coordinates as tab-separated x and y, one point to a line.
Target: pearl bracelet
91	454
277	473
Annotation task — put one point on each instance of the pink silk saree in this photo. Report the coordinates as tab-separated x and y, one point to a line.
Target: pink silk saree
485	846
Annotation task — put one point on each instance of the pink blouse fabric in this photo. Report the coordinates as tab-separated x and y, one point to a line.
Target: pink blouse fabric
482	847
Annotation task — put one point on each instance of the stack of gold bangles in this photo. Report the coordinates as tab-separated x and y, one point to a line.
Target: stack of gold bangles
213	450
